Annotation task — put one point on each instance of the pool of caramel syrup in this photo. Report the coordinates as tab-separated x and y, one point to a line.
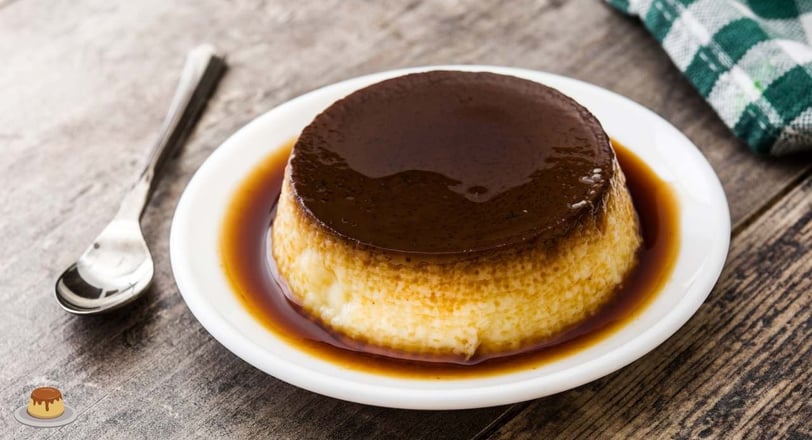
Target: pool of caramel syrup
244	247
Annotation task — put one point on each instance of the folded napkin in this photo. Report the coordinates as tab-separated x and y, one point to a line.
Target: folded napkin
750	59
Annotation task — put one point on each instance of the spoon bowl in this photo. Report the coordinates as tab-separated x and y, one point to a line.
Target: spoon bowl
112	272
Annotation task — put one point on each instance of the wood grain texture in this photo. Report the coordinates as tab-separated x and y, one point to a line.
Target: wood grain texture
740	368
84	86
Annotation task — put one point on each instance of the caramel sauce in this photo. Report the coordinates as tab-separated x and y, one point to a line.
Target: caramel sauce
47	395
450	163
249	267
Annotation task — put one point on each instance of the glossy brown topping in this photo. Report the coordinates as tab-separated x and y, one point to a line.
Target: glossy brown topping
451	162
47	395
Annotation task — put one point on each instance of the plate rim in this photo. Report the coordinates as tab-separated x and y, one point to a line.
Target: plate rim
483	395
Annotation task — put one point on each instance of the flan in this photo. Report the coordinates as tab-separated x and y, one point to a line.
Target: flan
46	403
453	214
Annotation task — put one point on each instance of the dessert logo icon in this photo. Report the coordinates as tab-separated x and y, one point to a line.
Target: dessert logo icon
45	409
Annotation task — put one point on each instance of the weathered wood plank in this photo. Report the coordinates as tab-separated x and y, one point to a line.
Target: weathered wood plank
739	368
84	86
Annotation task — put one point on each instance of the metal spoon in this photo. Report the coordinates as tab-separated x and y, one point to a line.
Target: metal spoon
118	267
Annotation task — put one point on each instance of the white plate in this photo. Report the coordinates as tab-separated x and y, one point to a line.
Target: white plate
704	230
22	416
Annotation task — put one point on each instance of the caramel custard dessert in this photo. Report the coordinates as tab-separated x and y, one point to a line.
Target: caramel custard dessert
46	403
453	214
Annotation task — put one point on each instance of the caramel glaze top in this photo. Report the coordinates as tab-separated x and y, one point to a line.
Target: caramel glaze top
448	162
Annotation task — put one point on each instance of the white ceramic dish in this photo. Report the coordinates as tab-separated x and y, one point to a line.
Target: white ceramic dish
22	416
704	224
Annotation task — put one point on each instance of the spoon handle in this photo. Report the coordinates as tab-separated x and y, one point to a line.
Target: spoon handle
199	78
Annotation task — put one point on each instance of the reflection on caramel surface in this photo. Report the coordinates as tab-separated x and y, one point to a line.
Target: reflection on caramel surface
249	268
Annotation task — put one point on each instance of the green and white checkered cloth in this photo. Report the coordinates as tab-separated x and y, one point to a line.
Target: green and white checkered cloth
750	59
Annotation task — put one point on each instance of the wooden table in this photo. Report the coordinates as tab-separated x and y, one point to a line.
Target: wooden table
83	87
